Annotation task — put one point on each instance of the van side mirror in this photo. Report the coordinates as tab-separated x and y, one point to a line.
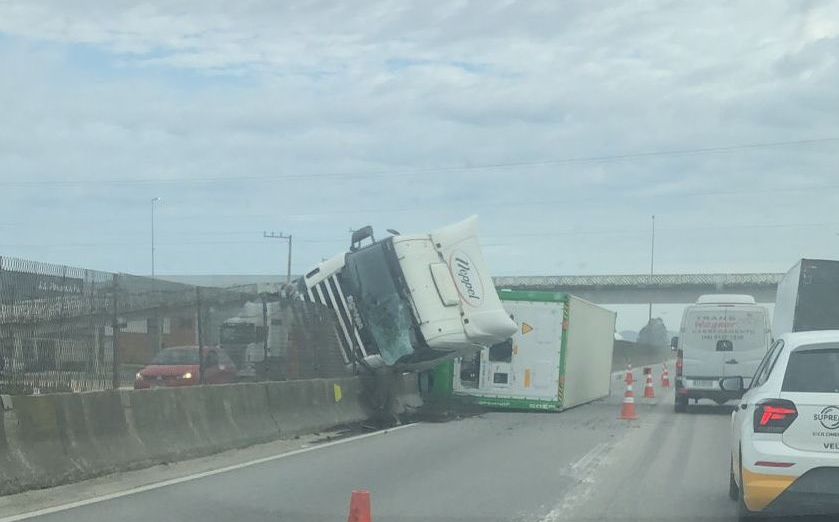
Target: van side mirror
733	384
674	342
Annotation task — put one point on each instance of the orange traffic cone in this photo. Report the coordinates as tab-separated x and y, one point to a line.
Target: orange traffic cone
649	391
629	377
628	407
360	506
665	377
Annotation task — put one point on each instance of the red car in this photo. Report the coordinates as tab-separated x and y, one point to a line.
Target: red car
178	366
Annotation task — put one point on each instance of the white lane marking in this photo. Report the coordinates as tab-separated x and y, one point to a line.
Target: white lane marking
582	470
196	476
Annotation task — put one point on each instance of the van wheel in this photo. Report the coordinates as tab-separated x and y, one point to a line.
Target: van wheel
681	405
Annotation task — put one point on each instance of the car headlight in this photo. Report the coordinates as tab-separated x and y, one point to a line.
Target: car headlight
139	376
187	375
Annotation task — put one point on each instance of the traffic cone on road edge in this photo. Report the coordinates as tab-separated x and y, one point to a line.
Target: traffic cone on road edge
649	391
360	506
629	377
628	406
665	377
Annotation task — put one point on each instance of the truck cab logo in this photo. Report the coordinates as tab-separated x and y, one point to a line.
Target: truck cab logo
829	417
466	278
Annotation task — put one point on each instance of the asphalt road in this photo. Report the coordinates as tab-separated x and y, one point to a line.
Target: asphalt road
582	464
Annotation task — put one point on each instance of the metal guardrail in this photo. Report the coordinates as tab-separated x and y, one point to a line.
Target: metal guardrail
641	281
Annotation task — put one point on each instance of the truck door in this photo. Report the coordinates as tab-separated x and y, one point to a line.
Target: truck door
499	362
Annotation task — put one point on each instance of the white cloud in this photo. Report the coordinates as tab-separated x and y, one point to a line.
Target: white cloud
115	91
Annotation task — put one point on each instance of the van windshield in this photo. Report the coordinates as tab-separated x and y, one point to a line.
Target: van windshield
746	329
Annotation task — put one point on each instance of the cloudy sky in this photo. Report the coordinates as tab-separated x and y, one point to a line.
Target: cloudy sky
563	125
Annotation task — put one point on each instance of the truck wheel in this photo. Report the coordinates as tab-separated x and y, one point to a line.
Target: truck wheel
681	404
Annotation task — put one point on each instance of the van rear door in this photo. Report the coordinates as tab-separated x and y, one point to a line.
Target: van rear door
747	330
702	362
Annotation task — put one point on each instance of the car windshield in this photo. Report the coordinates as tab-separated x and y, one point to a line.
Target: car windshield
175	356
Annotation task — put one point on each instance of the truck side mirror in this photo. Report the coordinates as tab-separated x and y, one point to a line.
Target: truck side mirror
674	343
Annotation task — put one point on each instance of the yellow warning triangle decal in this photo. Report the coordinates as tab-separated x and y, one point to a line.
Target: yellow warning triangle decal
525	328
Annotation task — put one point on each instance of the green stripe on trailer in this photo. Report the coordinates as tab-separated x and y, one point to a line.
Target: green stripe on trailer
512	403
506	294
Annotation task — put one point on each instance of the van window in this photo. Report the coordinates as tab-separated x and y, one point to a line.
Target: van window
704	329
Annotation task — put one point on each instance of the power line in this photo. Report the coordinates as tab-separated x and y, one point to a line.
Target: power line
435	170
474	208
601	232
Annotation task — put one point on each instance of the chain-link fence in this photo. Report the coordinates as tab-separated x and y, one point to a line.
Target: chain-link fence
72	329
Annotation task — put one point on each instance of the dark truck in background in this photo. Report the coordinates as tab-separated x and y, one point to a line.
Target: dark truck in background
807	298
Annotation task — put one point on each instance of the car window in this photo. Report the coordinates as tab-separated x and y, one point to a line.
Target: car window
766	365
813	371
763	364
176	356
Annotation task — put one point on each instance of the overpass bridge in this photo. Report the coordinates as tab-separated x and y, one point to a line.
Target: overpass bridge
640	289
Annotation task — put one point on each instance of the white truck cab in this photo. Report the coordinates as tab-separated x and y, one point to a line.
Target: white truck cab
411	301
721	335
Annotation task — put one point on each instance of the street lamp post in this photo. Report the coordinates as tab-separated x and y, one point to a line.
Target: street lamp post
153	201
652	267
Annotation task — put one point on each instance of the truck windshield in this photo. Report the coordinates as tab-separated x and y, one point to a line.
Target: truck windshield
746	329
386	317
241	333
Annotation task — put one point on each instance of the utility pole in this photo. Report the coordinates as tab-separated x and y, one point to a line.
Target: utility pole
153	201
652	267
272	235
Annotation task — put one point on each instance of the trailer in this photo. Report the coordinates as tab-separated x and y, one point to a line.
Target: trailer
559	357
807	298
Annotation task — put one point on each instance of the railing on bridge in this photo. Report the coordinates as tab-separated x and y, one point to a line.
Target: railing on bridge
643	280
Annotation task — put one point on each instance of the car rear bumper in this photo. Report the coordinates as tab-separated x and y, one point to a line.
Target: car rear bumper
684	389
814	493
809	486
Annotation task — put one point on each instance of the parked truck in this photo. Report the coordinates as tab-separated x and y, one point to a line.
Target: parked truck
256	339
807	298
410	301
560	356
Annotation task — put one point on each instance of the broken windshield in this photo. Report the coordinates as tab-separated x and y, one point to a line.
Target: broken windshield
385	314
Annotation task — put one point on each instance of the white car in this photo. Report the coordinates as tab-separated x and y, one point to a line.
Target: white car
785	429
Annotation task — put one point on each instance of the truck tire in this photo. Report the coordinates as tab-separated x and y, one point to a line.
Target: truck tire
681	404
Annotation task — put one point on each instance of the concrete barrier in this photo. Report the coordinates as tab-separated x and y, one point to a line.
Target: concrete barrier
49	440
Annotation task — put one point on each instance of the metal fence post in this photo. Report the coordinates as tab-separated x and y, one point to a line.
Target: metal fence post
115	332
200	323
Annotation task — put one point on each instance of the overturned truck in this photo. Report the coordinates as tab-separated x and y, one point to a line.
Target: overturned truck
410	301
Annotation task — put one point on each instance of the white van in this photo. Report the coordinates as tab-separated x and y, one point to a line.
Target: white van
720	336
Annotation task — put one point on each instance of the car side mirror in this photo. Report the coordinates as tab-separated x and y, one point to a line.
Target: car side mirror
674	343
733	384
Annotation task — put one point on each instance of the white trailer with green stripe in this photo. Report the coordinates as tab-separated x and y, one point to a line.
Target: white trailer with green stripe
560	356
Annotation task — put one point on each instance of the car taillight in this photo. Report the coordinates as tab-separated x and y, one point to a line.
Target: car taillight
774	415
679	362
